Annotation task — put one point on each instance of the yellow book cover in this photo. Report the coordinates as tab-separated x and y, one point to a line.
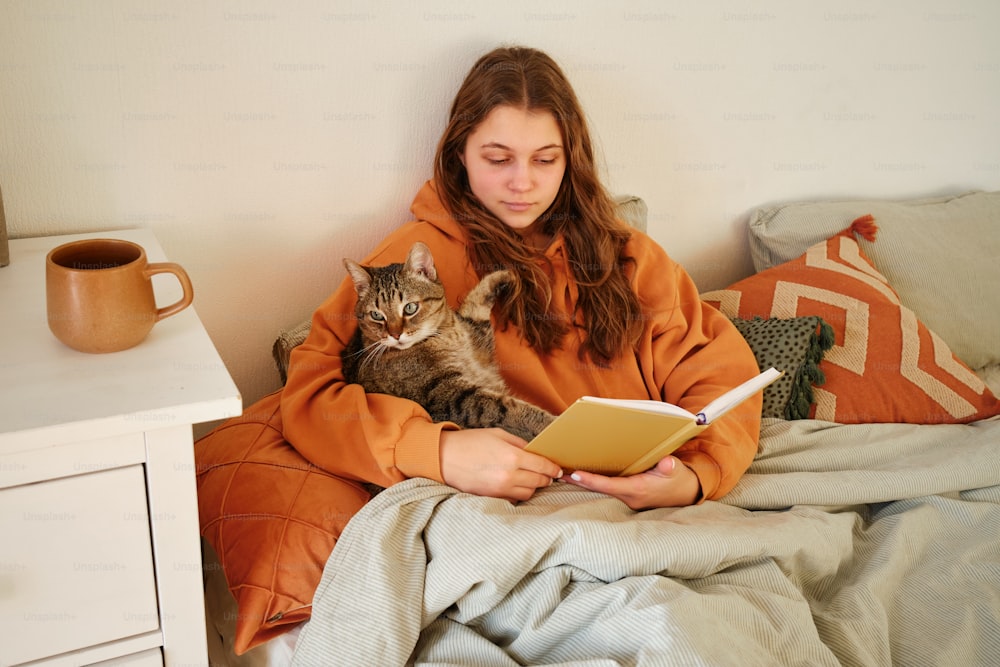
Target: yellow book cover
624	437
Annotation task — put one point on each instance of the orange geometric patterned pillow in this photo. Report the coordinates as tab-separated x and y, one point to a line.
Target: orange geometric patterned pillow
885	365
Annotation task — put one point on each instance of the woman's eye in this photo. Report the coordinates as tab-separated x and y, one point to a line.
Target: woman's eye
376	316
411	308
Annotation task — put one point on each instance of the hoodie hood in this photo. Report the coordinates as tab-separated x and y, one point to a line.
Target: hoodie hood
427	207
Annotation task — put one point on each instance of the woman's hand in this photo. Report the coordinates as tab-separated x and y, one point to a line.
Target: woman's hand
491	462
669	484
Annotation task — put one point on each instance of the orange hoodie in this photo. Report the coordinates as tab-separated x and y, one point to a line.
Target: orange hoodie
688	355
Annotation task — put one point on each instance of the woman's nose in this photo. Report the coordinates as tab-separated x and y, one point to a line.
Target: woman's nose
520	178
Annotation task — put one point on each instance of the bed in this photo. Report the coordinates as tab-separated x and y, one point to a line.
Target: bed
866	532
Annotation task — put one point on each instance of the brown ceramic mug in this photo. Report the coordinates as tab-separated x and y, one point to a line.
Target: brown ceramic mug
99	294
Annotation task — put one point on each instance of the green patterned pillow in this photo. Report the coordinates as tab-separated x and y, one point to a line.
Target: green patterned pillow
794	345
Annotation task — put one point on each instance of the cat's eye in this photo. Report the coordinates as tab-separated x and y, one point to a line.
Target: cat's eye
376	316
411	308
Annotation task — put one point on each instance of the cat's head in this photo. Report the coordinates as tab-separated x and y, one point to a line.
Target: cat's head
399	305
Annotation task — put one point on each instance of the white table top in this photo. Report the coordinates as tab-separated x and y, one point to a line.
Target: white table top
50	393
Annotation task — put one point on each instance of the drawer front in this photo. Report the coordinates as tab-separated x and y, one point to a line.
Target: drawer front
76	563
78	458
151	658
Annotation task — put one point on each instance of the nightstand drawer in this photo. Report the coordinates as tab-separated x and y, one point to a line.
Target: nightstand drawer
151	658
76	567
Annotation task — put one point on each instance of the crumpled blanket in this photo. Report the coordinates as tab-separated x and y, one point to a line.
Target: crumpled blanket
844	544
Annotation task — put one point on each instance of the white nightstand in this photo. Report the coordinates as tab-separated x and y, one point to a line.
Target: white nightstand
99	539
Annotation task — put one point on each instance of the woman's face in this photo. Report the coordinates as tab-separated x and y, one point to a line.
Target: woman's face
515	161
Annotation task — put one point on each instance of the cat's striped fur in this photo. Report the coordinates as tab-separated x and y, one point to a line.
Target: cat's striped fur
410	343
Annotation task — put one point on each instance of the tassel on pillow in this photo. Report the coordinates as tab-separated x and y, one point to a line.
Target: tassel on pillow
810	374
865	227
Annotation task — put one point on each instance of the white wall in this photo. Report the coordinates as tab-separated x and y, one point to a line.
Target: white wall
264	141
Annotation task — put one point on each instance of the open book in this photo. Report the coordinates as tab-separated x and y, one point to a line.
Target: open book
624	436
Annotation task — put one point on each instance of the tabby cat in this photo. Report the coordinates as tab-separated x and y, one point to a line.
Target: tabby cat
411	344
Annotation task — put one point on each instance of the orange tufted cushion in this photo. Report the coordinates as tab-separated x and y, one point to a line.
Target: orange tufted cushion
272	518
886	365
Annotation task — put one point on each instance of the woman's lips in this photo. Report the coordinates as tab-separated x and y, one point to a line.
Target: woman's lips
517	206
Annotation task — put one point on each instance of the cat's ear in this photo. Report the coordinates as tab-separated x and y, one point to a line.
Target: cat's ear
421	262
362	279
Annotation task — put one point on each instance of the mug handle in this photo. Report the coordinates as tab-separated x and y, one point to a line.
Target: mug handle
182	276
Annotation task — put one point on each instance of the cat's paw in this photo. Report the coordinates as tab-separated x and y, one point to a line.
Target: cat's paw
479	302
498	285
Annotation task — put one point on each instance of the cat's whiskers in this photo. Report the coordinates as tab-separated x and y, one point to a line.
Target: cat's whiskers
372	353
359	352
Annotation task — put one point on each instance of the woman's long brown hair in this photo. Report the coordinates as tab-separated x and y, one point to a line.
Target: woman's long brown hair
582	212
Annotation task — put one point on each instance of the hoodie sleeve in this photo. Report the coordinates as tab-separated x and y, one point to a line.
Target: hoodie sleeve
340	428
337	426
691	354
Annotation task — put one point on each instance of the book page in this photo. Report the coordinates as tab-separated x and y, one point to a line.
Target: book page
646	405
710	412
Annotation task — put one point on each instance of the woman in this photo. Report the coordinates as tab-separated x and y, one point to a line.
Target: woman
598	309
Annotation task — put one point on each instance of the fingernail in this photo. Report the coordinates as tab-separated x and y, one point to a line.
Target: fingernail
575	477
